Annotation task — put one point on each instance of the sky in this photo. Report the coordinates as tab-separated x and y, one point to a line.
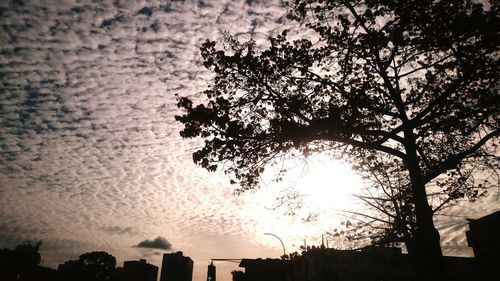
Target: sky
90	153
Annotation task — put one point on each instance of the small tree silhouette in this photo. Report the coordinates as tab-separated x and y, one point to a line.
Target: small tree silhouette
20	263
92	266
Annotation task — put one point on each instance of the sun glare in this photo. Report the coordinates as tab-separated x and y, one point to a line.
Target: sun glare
318	185
316	192
329	184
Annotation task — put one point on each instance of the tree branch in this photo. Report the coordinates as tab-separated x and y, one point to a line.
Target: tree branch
455	159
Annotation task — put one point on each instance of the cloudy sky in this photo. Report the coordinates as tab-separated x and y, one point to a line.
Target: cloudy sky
90	154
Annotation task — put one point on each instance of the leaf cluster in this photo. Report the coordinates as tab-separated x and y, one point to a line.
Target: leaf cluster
385	79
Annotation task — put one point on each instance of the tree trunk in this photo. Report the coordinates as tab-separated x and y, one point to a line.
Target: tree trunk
427	254
426	251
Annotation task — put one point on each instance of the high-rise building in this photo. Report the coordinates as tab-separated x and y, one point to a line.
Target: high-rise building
211	272
139	271
176	267
483	237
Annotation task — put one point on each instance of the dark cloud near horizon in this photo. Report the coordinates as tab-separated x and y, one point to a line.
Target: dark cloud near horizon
158	243
114	229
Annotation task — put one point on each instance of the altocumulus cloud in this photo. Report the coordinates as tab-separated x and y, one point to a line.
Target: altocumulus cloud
158	243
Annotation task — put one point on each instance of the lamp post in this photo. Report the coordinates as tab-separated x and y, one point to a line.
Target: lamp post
284	253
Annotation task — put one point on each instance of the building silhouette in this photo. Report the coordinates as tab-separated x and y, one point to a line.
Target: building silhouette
371	263
176	267
138	271
211	272
484	238
66	271
264	269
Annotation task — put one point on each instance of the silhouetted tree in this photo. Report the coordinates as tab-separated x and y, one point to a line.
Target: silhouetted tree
290	256
93	266
409	87
20	263
389	217
98	265
238	275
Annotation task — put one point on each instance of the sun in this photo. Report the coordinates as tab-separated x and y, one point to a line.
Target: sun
323	188
329	184
318	184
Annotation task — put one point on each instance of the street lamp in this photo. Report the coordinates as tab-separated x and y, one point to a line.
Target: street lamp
284	253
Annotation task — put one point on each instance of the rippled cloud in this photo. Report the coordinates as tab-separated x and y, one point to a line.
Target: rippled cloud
90	157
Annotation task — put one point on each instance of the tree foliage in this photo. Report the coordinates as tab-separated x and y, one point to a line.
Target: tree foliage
20	262
356	89
98	265
92	266
405	90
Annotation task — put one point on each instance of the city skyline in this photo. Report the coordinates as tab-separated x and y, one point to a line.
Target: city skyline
313	263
